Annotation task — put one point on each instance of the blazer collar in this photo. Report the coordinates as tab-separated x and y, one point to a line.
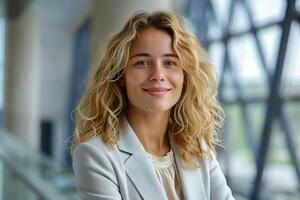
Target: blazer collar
140	171
191	179
137	166
129	142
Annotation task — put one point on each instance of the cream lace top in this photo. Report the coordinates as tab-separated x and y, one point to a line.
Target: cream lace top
165	169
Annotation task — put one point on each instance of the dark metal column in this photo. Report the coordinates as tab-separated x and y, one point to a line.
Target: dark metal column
273	101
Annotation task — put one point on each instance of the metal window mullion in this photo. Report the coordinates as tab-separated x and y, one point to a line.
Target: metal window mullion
273	101
283	116
289	141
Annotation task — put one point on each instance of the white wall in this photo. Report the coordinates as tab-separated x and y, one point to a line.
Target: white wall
22	76
39	69
60	20
110	16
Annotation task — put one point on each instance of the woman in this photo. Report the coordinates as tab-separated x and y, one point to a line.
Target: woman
147	125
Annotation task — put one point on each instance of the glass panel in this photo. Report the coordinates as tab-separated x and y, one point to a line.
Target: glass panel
2	44
221	8
229	92
291	73
292	110
257	113
216	51
214	30
267	11
1	179
37	173
247	66
279	168
298	5
241	163
15	188
269	39
240	21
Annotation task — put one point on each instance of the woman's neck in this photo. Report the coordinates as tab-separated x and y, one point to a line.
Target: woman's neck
151	130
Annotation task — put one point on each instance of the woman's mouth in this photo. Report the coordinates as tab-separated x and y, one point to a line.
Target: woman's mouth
156	91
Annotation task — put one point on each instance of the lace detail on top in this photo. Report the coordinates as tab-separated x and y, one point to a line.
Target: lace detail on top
162	161
165	169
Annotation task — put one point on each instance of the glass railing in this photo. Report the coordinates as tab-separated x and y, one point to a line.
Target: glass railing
28	175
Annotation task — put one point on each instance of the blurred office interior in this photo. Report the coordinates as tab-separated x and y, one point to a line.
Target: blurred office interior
47	48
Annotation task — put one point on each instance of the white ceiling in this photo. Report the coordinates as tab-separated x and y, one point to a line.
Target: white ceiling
62	11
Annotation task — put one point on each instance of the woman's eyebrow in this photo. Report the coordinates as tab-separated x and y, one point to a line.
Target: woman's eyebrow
148	55
170	55
140	55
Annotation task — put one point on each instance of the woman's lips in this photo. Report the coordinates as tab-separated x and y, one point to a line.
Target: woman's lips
157	91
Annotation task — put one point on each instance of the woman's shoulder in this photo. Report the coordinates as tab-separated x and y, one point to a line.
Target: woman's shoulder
94	147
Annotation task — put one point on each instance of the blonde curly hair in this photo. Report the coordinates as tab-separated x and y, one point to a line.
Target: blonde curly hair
195	119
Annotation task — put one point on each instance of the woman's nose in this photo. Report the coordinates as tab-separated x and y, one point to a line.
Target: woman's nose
157	73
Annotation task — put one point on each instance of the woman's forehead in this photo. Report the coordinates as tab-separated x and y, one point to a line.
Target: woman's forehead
152	41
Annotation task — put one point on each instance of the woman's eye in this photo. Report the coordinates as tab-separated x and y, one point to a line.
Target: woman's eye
142	63
170	63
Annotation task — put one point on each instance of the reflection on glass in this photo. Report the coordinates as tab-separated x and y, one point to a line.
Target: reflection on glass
2	41
35	173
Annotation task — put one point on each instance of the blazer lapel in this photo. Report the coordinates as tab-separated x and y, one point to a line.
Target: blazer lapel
191	180
137	165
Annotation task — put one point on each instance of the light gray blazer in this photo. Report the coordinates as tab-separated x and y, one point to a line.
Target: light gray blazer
126	173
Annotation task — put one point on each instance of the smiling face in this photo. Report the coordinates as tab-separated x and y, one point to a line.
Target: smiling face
153	76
